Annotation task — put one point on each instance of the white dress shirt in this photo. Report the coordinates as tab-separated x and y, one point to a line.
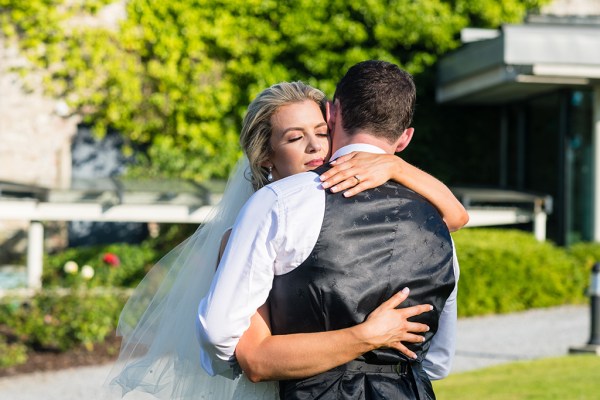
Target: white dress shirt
274	233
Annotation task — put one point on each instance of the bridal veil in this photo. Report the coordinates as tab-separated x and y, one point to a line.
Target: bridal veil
160	353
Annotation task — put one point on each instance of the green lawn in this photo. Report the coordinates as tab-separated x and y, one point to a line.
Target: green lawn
568	378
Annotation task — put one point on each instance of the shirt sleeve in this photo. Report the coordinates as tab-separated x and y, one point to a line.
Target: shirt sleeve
241	284
438	360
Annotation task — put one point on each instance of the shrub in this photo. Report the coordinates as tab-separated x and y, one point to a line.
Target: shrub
12	354
120	264
585	253
57	321
509	270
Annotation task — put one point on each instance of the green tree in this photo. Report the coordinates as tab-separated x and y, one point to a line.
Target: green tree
175	77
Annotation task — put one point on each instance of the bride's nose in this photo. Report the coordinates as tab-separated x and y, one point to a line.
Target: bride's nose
314	145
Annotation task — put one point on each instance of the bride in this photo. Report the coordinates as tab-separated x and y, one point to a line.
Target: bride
160	352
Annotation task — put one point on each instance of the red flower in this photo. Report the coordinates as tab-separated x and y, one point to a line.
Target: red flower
111	259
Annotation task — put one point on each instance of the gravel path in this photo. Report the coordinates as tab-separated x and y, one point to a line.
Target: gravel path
482	341
485	341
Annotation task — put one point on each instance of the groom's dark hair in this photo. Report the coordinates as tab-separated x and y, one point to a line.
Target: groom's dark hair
377	97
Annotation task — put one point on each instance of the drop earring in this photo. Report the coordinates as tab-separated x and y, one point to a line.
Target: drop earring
270	175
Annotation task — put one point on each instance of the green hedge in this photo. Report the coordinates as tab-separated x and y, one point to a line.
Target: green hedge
57	321
12	353
132	264
78	307
508	270
119	264
53	321
586	254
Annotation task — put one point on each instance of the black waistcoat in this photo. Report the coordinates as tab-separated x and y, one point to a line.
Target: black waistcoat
370	246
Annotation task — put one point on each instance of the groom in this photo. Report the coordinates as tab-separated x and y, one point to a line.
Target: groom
353	254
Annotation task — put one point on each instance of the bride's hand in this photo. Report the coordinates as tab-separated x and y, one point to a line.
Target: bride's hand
388	327
359	171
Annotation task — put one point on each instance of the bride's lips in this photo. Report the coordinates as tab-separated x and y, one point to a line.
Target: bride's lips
317	162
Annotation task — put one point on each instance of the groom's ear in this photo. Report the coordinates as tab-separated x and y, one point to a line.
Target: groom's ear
404	139
330	114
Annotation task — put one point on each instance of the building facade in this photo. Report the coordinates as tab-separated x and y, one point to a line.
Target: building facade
544	77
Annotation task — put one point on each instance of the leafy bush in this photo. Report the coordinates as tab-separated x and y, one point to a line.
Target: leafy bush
121	265
175	77
508	270
585	253
56	321
12	353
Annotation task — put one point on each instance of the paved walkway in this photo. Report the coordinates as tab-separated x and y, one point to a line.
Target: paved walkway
482	341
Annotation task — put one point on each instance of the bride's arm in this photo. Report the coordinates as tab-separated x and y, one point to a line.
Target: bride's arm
265	357
375	169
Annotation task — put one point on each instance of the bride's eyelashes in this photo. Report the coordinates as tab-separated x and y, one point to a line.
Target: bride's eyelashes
320	134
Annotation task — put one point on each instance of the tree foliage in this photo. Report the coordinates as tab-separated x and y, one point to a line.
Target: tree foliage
175	77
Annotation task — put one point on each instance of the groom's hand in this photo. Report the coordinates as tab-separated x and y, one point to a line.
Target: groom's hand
388	327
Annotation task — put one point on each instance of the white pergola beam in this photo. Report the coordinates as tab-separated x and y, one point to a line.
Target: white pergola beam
509	216
40	211
35	212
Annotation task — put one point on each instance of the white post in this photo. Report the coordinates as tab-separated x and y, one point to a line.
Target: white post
539	221
539	226
596	163
35	255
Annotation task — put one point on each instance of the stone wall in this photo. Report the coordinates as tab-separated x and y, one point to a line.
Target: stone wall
35	131
572	7
35	144
36	135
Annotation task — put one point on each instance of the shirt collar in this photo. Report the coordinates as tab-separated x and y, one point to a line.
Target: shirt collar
368	148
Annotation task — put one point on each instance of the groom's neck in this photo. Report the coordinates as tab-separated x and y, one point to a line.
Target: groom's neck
341	140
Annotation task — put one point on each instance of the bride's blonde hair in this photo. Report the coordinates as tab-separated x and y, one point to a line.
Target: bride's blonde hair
256	127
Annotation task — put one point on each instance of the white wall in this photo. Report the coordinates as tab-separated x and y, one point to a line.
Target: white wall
35	141
572	7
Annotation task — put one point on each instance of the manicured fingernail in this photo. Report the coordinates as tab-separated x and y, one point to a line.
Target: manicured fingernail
334	189
422	338
346	194
333	162
405	290
430	308
325	185
414	356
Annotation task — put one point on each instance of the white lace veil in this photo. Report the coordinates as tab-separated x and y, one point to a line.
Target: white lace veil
159	351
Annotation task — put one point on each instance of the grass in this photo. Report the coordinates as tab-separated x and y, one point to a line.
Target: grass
570	378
